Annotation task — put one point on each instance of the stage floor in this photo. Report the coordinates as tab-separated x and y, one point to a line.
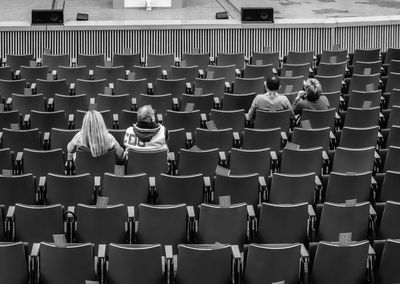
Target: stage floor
204	10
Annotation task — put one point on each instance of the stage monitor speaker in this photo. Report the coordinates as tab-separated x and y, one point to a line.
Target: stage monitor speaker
221	15
257	14
82	17
47	16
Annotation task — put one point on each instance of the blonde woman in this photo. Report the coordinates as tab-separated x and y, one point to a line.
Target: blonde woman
95	137
310	98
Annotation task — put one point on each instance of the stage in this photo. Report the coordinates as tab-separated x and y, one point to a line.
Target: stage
18	11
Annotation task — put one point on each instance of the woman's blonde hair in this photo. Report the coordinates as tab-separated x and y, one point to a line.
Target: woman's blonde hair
94	133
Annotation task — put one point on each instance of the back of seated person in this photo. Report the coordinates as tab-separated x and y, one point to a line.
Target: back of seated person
310	98
271	100
146	134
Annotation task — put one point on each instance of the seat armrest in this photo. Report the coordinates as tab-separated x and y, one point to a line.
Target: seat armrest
284	139
252	222
222	159
332	141
201	73
33	88
41	190
46	141
168	252
238	73
189	88
91	74
142	61
318	190
127	74
312	220
50	104
236	139
152	188
263	189
191	223
189	140
326	162
377	162
374	189
164	74
160	119
115	121
10	212
101	252
237	263
177	61
19	163
97	186
17	74
172	163
9	223
8	105
131	223
175	104
207	189
169	264
150	88
203	119
274	161
35	249
133	104
72	89
27	121
73	62
217	103
211	60
228	87
54	74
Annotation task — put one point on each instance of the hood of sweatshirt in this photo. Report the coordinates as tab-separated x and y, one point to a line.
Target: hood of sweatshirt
145	134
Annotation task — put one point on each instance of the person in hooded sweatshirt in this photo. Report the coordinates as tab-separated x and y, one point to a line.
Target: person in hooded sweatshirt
146	134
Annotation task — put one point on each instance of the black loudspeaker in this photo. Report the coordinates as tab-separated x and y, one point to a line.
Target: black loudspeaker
257	14
221	15
82	17
48	17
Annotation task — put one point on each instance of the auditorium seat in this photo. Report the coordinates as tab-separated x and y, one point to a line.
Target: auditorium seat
284	223
6	159
279	263
68	190
294	70
25	103
17	189
49	88
127	60
50	261
357	98
70	104
130	190
393	99
293	161
207	86
151	73
41	162
14	266
163	224
55	60
272	119
207	139
367	68
293	188
5	73
176	140
164	60
300	57
350	263
234	119
394	117
226	225
160	103
353	160
237	101
258	70
347	186
90	60
229	58
176	87
386	265
389	189
190	73
364	82
204	102
187	189
111	74
242	162
80	114
335	99
198	161
96	166
392	82
127	118
15	61
113	103
320	118
9	87
135	263
17	140
262	138
249	85
103	225
309	138
132	87
332	69
202	60
9	117
90	87
291	84
72	74
266	58
35	223
216	260
330	84
45	121
189	120
387	228
333	56
354	137
365	55
59	138
151	162
228	72
31	74
339	218
362	117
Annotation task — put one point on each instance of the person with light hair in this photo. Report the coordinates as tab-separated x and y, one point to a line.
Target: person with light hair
94	137
310	97
146	134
